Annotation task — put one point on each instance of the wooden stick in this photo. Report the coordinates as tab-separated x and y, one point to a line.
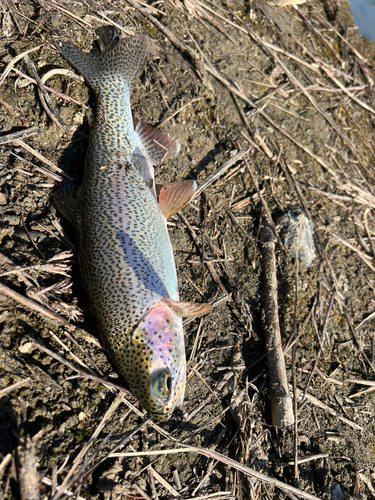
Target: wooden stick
281	401
286	488
21	134
35	306
212	178
13	387
15	60
47	104
28	477
316	402
210	267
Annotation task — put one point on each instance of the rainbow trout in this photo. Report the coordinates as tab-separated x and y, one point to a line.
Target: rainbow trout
124	250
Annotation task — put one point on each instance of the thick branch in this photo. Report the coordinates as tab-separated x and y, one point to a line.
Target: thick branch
281	402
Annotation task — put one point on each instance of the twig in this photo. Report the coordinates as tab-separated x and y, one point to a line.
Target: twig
306	459
370	383
337	33
185	49
281	401
70	14
113	23
21	134
72	477
313	67
294	350
293	79
238	226
141	492
174	493
14	386
368	318
197	337
48	266
49	74
251	472
358	343
5	461
44	97
321	339
292	340
149	453
83	473
199	7
372	246
75	358
40	157
61	71
15	61
196	99
210	267
316	402
347	92
266	210
108	415
361	393
212	178
216	13
67	493
30	238
42	170
35	306
364	257
77	369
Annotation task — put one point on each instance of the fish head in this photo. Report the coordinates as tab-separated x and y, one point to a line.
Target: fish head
158	362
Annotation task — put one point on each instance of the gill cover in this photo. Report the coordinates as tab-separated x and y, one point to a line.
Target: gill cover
159	366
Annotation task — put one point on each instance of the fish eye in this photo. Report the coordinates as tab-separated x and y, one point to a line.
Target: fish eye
161	383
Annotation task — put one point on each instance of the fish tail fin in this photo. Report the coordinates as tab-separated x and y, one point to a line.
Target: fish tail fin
124	58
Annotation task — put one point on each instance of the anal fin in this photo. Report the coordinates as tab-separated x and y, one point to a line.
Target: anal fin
156	145
175	195
188	309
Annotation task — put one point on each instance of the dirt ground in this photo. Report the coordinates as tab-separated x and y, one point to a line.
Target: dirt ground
295	84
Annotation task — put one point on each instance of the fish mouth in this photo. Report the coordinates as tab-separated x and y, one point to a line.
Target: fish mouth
176	415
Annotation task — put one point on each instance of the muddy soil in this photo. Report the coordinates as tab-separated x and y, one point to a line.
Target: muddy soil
296	85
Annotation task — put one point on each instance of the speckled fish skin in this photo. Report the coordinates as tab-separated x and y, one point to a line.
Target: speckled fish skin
124	250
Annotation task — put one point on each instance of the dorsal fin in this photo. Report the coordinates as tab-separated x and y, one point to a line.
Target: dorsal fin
156	145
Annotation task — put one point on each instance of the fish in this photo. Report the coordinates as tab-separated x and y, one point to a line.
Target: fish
120	223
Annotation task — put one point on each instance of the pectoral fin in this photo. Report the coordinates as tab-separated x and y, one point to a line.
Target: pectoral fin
156	145
175	195
188	309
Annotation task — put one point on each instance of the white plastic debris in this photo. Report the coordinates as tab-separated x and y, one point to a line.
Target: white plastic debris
297	235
